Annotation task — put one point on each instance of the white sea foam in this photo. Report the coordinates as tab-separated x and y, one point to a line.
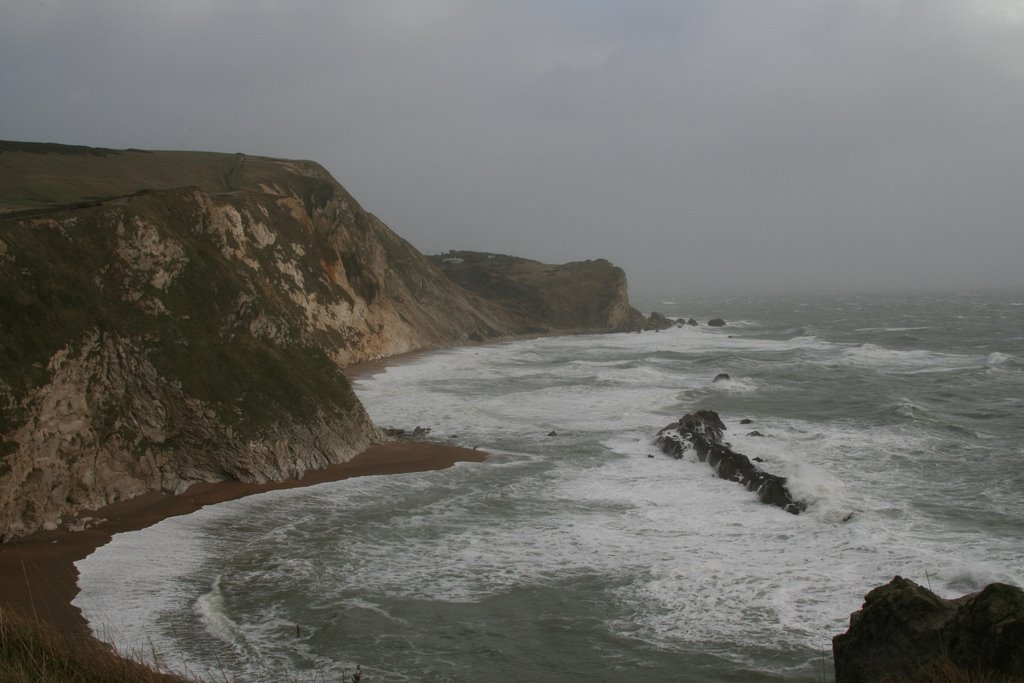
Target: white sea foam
972	576
996	358
211	609
146	563
892	329
735	385
358	603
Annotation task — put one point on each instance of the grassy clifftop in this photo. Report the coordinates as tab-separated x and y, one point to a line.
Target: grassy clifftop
43	175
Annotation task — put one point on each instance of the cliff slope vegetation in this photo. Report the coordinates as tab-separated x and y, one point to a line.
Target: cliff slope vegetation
174	317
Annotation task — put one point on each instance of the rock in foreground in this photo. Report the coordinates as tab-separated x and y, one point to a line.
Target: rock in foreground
904	628
702	431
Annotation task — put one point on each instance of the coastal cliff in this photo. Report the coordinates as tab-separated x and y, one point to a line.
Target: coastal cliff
168	318
579	296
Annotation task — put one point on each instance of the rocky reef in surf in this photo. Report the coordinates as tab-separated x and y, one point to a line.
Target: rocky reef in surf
906	632
168	318
701	432
658	321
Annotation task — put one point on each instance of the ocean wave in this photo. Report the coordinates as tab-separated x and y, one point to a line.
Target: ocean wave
905	361
362	604
805	454
892	329
973	576
741	385
710	343
817	487
998	359
950	420
907	408
212	610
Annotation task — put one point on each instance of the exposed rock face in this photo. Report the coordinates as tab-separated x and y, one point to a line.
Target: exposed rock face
904	628
716	322
168	318
702	431
583	296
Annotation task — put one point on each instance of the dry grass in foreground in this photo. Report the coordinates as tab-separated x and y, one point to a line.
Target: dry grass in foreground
30	651
945	670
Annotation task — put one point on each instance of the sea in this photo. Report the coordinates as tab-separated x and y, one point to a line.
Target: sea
577	551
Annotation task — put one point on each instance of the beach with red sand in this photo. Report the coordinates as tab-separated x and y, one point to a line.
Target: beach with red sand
38	577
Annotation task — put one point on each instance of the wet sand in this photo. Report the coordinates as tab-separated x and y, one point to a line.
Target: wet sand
38	577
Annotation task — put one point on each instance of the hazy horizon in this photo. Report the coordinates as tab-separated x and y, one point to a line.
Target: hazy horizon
703	146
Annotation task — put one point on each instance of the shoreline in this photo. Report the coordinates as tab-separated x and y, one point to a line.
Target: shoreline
38	577
38	572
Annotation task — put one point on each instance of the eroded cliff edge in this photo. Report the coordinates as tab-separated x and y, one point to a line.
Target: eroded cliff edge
173	317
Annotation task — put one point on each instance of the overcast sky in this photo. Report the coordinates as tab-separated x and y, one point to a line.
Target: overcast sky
703	145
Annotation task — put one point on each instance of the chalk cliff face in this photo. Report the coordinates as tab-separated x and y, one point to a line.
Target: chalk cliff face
168	318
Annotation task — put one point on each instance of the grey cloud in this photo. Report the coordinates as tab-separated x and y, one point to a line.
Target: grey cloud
701	145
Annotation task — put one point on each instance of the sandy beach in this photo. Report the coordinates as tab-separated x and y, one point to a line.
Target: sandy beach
38	577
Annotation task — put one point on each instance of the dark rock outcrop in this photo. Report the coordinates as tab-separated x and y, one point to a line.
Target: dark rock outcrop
693	323
702	431
722	377
416	434
656	321
903	629
716	322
